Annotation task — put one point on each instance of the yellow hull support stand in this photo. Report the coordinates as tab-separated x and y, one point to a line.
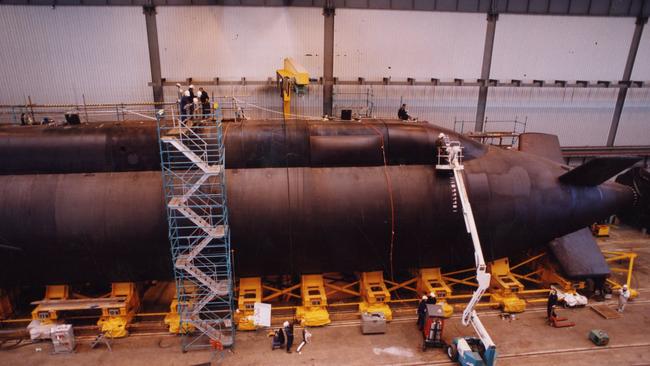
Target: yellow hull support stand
430	280
173	320
375	294
250	292
115	320
52	293
313	312
505	287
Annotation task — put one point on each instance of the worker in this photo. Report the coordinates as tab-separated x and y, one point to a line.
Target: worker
180	90
422	312
205	102
403	114
441	147
552	301
196	107
185	102
431	300
288	333
306	338
623	296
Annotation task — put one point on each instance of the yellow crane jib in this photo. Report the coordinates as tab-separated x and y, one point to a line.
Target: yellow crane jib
293	78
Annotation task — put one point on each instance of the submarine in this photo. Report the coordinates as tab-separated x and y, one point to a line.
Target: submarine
85	203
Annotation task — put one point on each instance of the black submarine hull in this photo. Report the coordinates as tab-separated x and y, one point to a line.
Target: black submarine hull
99	227
133	146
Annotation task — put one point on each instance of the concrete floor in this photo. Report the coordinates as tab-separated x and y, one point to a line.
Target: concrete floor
525	340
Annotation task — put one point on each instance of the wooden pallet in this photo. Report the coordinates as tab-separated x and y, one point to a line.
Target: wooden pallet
605	311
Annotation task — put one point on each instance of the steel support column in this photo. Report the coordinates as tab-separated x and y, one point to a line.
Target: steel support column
485	70
328	58
627	74
154	53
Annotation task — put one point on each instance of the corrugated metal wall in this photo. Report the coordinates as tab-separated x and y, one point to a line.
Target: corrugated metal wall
57	54
235	42
400	44
579	116
560	47
634	127
441	105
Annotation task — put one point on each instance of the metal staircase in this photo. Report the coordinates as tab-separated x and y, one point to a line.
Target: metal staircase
192	158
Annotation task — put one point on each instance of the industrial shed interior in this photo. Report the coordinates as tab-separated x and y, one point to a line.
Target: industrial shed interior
324	182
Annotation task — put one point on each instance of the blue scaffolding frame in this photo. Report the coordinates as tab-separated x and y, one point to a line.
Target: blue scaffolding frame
193	168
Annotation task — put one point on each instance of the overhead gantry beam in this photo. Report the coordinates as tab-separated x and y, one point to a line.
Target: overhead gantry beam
618	8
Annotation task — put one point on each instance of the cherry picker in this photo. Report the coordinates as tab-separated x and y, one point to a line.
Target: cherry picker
479	350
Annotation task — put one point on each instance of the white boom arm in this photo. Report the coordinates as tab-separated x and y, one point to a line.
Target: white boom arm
482	277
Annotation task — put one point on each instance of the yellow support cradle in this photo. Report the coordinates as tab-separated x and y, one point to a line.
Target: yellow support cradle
313	312
250	292
430	280
504	287
118	307
375	294
114	320
173	320
52	293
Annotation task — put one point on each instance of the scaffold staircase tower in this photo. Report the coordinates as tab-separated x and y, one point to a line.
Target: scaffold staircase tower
192	159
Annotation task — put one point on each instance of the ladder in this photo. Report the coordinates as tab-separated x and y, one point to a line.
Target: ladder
192	158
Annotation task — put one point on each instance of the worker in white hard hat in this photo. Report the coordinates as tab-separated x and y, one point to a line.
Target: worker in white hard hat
288	332
191	90
185	103
422	312
623	296
205	102
432	298
442	144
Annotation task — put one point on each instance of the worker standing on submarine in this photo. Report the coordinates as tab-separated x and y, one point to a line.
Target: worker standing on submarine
205	102
185	103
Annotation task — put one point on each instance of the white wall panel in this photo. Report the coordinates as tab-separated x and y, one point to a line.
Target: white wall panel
641	70
400	44
579	116
561	47
235	42
57	55
634	126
